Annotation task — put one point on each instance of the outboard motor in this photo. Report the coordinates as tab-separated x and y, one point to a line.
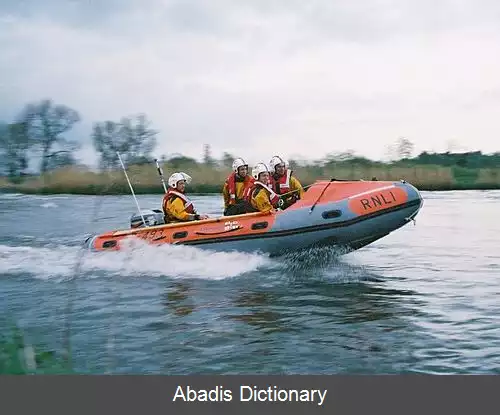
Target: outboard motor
152	217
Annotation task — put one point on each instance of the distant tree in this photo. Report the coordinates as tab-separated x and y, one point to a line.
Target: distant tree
207	155
345	155
391	152
45	124
404	148
180	161
333	158
61	160
15	144
108	138
473	159
227	160
293	164
134	142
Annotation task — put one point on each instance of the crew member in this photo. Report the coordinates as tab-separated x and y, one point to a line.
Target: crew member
238	182
283	182
262	197
176	205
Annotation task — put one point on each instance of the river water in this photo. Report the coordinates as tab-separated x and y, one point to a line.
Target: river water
426	298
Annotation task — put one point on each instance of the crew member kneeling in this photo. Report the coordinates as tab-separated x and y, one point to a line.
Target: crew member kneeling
176	205
262	197
284	183
234	189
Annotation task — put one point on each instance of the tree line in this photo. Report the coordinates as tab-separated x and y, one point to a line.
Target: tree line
39	133
40	130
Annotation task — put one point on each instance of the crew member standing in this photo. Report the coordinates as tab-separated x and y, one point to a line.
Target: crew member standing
238	182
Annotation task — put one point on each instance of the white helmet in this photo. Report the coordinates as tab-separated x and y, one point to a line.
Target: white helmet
239	162
176	177
258	169
275	161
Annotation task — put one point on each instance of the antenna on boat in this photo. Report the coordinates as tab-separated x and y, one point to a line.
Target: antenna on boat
131	188
321	194
160	173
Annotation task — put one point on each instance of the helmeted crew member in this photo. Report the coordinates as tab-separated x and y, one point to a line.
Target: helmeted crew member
283	181
176	205
234	189
262	197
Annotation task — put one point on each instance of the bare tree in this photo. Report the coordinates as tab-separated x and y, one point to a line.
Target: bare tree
227	160
207	155
390	153
132	138
15	144
46	125
404	148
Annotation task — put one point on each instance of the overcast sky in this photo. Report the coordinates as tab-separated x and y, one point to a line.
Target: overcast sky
259	77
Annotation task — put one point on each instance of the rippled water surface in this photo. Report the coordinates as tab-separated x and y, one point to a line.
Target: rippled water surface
426	298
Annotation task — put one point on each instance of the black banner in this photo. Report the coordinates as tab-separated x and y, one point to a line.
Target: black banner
390	394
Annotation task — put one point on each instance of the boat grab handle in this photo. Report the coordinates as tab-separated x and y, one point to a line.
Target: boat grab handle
219	232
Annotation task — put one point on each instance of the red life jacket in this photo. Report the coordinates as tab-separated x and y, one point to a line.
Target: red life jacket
231	184
172	194
247	193
281	184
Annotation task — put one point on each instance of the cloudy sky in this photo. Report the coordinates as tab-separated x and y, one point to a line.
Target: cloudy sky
259	77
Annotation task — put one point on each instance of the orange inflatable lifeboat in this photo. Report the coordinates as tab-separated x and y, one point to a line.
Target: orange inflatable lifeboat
347	214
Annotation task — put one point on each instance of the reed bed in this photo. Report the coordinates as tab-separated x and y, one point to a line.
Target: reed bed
207	179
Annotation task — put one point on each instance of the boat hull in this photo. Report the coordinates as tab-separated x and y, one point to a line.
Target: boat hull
347	215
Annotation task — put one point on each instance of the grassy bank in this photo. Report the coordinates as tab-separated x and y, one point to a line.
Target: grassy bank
210	179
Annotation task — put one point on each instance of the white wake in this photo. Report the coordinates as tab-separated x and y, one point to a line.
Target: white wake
140	259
